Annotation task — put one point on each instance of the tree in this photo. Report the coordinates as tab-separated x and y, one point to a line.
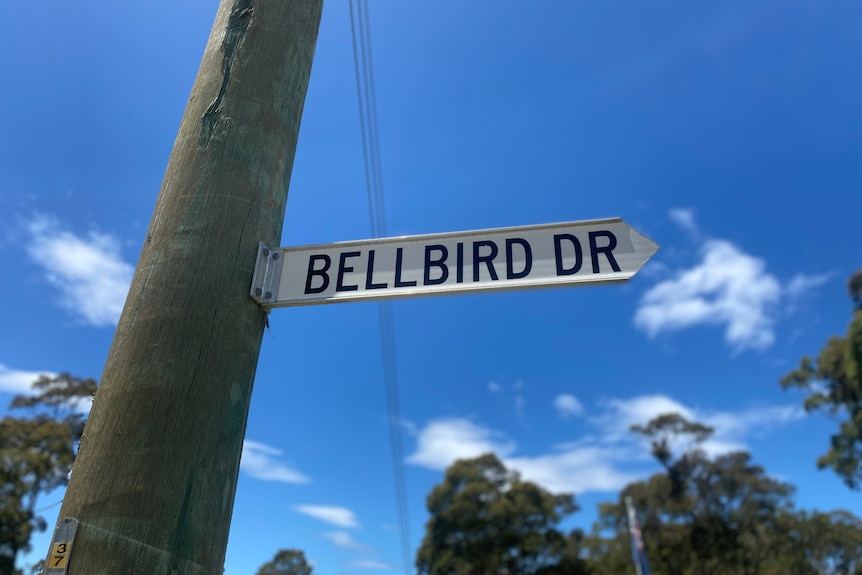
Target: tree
286	562
854	286
60	397
834	384
702	515
485	520
720	515
671	432
36	456
831	543
571	560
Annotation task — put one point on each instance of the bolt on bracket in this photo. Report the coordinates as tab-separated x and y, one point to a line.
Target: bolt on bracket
267	273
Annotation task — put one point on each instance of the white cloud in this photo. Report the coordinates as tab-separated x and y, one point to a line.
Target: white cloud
493	387
728	287
338	516
370	565
576	469
258	460
801	284
443	441
606	461
684	218
344	540
16	381
567	405
21	383
620	414
573	468
731	428
89	273
408	426
84	405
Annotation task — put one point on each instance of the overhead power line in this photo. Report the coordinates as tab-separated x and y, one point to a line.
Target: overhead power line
366	97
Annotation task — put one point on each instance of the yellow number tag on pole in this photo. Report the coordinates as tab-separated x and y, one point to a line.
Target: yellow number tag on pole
61	546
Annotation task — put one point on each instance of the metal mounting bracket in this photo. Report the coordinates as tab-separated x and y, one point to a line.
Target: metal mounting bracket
267	273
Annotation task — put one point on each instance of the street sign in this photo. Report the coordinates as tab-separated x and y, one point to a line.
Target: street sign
591	251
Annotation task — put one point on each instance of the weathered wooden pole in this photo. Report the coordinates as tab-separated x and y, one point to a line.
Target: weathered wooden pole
153	487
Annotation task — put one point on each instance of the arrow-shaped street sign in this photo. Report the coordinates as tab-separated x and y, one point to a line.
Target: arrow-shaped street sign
505	258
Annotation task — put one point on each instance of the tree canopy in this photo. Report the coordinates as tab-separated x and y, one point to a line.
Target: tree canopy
834	384
286	562
702	514
485	520
719	515
36	456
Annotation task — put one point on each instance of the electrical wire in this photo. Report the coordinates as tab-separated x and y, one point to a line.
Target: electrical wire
367	101
46	508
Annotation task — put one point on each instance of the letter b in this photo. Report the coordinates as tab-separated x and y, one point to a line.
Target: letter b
317	272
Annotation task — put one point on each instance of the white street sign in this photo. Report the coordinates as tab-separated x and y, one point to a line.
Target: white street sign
504	258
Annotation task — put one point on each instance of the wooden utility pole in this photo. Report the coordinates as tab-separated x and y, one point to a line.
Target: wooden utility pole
153	487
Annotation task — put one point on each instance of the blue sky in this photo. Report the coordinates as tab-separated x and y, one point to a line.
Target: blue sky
729	133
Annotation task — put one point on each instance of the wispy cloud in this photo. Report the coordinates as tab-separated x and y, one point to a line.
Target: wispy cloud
443	441
338	516
576	469
89	273
617	415
17	381
571	468
383	566
344	540
731	429
511	395
801	284
728	287
568	405
684	218
259	461
605	461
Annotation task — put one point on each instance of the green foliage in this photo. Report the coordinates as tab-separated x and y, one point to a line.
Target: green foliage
829	542
854	287
571	561
671	430
286	562
834	384
722	516
59	397
36	456
719	522
486	521
700	515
